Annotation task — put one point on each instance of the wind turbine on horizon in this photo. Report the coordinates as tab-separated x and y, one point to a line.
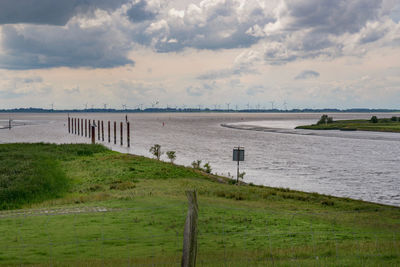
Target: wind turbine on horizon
272	104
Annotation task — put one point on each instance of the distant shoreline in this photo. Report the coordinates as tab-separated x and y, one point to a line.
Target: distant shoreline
194	110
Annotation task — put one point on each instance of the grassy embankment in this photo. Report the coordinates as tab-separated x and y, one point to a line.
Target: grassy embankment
239	225
383	125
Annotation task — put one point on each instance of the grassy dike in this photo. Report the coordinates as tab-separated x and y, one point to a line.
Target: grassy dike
382	125
238	225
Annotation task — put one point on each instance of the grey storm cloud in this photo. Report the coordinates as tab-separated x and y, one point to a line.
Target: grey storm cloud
57	46
313	28
51	12
296	30
307	74
140	12
335	17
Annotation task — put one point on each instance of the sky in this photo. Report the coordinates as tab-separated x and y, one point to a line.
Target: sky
210	53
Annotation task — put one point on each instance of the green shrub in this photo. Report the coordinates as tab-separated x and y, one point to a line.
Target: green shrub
207	167
374	119
171	156
325	119
196	164
156	151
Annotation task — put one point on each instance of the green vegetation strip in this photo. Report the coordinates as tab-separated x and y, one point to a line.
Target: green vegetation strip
129	210
380	125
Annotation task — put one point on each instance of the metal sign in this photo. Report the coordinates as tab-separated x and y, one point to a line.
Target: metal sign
238	154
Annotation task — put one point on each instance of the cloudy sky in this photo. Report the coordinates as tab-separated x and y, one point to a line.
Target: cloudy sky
302	53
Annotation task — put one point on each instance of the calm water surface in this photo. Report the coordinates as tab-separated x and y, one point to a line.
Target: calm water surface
361	165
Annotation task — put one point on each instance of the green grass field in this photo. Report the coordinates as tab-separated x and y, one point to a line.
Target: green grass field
383	125
141	208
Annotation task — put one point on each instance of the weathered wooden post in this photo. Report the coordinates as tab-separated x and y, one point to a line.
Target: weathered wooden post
115	133
90	129
128	136
102	131
75	126
69	125
78	127
122	133
109	137
190	232
81	127
85	127
93	130
98	130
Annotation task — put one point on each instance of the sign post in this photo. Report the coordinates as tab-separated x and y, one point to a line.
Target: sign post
238	155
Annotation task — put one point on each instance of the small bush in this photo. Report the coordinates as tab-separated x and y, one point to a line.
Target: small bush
207	167
325	119
394	118
374	119
196	164
171	156
156	151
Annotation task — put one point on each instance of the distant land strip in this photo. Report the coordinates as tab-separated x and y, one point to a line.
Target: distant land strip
188	110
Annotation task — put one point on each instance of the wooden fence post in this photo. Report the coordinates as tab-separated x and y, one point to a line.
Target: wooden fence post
81	127
115	133
128	136
78	127
109	138
122	133
93	130
102	131
85	127
74	125
90	129
190	233
98	130
69	125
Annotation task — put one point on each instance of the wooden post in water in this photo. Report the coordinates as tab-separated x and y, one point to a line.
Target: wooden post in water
98	130
109	137
190	233
102	131
69	125
115	133
128	136
122	133
93	130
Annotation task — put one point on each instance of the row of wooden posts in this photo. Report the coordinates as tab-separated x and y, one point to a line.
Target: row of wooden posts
87	128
